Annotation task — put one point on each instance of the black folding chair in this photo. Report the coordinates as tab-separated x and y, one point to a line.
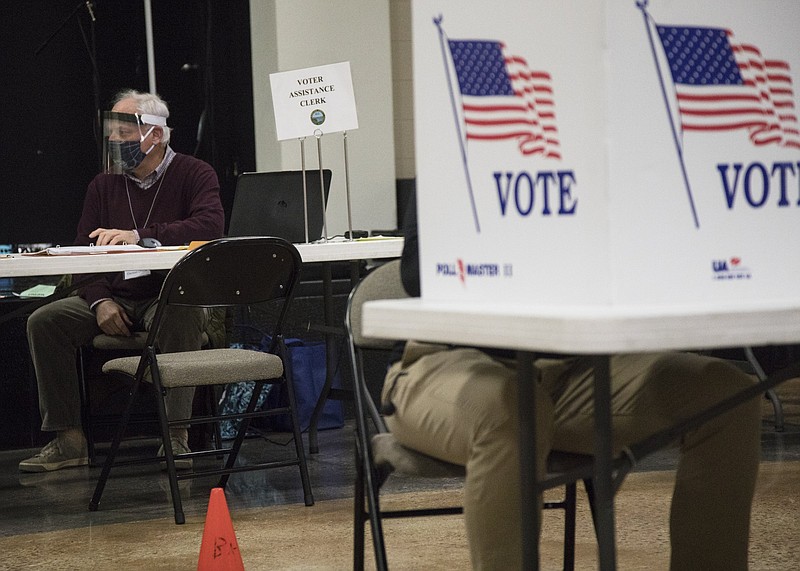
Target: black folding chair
378	454
223	273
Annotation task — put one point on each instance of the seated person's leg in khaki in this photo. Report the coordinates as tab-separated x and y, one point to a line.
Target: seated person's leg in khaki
55	332
460	406
718	463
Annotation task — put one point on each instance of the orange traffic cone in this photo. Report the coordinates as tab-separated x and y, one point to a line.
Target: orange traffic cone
219	550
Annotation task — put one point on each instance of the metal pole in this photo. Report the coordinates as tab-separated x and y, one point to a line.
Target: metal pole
603	485
318	135
529	482
151	58
305	189
347	186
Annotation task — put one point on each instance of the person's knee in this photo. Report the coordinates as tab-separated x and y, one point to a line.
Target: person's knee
184	317
42	321
726	375
722	379
182	329
36	321
709	382
496	432
467	383
491	400
698	377
70	316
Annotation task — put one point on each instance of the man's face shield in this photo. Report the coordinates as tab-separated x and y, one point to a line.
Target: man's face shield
127	139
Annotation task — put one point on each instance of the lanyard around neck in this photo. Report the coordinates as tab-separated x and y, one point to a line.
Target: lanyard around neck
152	204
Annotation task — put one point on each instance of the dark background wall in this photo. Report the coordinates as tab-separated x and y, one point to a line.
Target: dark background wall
51	93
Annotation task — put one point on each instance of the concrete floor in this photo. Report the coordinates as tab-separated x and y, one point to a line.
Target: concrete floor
54	502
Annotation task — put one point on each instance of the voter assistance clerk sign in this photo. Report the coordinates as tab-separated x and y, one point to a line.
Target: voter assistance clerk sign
313	101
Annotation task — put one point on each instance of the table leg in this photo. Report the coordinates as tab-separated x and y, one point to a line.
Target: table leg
529	492
330	356
603	485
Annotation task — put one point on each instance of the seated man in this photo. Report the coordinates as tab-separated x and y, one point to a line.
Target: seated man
459	405
150	191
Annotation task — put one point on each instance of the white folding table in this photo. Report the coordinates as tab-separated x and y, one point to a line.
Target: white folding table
21	265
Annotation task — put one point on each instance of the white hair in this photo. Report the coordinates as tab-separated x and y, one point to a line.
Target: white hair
147	103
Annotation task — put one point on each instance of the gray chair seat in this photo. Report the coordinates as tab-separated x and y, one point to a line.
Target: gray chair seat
388	452
207	367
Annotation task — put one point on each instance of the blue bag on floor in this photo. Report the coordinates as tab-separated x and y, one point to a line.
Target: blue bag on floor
235	398
307	368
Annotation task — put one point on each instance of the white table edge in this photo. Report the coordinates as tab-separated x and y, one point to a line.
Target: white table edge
41	265
585	329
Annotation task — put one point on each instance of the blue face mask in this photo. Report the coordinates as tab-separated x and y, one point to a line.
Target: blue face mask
128	155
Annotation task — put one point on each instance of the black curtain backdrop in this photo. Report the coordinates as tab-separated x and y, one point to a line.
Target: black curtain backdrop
48	148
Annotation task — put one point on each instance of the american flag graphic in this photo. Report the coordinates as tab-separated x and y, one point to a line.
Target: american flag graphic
502	98
723	85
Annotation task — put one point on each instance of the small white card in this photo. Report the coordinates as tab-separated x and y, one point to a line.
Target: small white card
313	101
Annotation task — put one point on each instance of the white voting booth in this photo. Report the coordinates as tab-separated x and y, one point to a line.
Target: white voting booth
608	152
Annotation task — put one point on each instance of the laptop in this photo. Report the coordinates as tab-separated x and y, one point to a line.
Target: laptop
271	204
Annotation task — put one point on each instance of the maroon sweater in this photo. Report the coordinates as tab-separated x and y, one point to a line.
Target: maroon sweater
187	208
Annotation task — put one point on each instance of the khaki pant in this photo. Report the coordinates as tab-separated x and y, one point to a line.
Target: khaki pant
460	405
58	329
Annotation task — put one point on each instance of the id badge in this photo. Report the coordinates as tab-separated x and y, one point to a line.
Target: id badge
133	274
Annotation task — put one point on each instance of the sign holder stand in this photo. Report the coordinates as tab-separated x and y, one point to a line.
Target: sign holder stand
305	189
347	187
318	135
